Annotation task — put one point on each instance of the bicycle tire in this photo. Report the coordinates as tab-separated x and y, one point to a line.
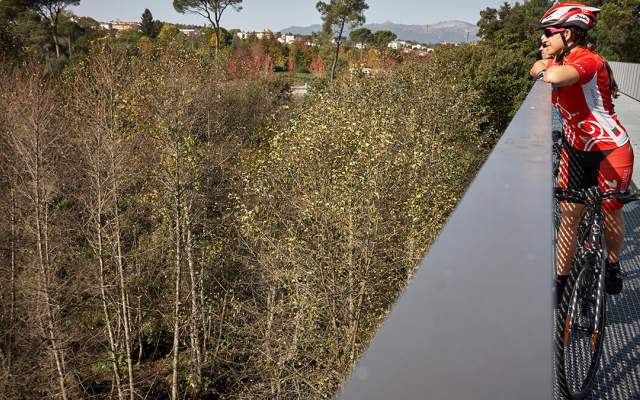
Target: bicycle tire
574	374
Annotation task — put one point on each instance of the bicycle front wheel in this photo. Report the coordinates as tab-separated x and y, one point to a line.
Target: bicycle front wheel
580	330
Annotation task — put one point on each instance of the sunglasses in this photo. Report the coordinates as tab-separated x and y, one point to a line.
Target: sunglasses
548	32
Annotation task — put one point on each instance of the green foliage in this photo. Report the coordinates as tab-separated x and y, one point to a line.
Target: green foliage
212	10
617	35
338	13
168	33
499	75
149	26
383	38
361	35
513	27
9	49
302	56
28	28
202	6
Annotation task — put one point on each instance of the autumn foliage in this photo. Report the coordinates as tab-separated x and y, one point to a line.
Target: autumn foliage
252	63
172	228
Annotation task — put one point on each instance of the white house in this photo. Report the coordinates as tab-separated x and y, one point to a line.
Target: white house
259	35
191	32
397	44
123	25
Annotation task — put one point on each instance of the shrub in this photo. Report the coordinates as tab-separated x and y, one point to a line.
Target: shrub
337	212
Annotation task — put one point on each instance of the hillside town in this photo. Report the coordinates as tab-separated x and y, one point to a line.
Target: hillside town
406	47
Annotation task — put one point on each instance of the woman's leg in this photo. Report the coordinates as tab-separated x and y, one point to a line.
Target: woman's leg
567	241
614	234
615	173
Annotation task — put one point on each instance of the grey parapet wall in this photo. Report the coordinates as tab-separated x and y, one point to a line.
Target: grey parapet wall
475	322
627	76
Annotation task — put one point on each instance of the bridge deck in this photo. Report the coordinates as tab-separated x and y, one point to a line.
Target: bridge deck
619	374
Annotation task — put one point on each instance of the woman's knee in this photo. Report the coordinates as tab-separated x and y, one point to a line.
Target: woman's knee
571	213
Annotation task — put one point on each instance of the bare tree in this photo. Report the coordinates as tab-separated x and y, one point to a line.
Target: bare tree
170	87
98	91
33	136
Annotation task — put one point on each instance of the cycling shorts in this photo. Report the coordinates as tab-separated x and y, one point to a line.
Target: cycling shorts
608	169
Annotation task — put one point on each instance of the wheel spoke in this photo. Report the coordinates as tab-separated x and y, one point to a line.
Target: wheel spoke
582	331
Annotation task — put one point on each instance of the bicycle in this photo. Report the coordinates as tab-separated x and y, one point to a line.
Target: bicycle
557	139
580	324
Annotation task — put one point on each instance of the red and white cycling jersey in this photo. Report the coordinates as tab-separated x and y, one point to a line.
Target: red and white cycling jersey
590	122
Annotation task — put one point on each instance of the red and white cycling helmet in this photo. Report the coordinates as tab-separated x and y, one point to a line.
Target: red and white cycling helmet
565	15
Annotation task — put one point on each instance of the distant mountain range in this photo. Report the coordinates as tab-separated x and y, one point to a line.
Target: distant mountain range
447	31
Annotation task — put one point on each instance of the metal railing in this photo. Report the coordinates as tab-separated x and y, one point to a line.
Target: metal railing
628	77
475	322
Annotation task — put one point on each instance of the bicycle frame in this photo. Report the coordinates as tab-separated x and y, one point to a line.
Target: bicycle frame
591	254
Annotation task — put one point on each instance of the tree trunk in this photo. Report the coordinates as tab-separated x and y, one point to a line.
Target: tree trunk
176	315
123	288
217	39
205	316
43	258
53	23
335	59
271	301
350	278
103	294
55	43
139	323
220	327
195	312
12	307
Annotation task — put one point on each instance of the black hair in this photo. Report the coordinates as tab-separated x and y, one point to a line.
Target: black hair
580	36
613	85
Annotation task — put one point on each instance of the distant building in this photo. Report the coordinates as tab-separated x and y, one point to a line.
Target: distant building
397	44
191	32
259	35
264	35
289	39
120	25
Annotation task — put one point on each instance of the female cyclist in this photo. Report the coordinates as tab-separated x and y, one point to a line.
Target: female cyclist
597	150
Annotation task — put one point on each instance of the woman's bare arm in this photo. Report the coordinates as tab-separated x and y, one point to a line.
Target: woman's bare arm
561	75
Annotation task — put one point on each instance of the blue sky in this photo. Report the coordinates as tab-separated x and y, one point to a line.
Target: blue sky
279	14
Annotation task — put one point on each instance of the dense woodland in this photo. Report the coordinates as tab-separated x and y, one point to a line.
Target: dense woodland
174	226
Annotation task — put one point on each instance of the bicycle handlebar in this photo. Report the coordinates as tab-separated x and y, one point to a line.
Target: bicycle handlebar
595	194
